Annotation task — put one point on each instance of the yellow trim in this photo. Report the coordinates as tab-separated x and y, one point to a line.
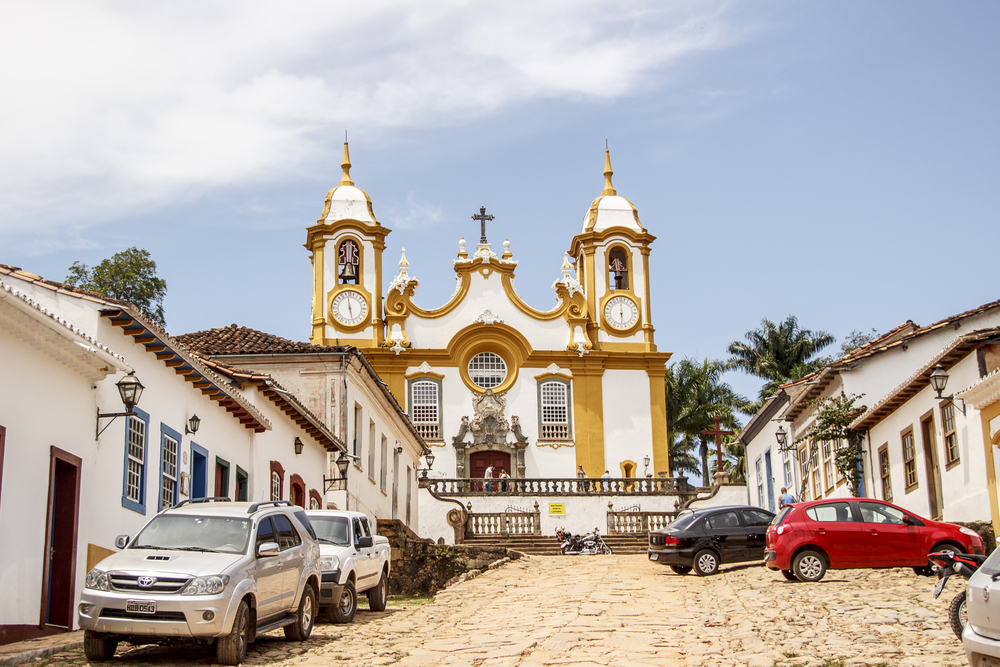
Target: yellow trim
588	419
635	468
986	415
555	444
349	328
560	376
318	324
421	374
648	327
658	415
621	333
500	339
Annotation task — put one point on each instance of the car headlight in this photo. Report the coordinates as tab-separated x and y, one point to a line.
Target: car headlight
98	581
209	585
329	563
968	531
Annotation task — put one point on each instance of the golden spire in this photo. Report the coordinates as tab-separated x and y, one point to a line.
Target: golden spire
346	165
608	188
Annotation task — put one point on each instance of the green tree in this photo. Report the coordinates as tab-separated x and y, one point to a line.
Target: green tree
834	415
695	394
777	353
734	460
129	275
857	339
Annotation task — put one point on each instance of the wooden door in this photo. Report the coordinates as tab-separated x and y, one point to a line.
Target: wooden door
934	499
58	577
479	461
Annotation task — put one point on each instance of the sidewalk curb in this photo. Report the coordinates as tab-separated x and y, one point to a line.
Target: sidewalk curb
37	653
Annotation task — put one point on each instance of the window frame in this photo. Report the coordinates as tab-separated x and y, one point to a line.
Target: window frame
829	466
885	472
909	464
242	474
223	463
383	463
175	436
805	465
787	469
950	436
371	450
358	433
760	481
568	388
128	503
481	355
411	403
279	470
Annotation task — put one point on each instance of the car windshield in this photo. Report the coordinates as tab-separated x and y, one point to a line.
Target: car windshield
992	564
780	516
331	530
184	532
683	521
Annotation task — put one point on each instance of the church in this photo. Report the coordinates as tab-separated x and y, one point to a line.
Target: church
486	378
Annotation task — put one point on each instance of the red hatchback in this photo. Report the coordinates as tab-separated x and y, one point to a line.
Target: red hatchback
806	539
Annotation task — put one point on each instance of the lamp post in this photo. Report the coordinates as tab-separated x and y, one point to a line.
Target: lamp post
645	462
298	445
193	425
939	380
782	437
129	389
342	463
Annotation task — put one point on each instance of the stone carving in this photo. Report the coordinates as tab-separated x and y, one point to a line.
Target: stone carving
489	317
552	368
489	429
424	367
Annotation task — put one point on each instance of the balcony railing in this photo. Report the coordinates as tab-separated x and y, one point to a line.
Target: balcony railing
637	523
505	524
537	486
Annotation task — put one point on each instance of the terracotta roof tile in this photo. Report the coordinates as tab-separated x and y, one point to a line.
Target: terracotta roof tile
244	340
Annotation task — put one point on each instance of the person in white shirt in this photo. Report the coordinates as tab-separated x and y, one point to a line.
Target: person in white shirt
488	475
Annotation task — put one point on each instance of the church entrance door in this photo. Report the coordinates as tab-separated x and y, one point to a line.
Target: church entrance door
479	461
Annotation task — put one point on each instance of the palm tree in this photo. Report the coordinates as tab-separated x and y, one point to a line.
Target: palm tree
777	354
695	394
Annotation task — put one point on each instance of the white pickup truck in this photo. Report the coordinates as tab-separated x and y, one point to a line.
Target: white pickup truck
352	560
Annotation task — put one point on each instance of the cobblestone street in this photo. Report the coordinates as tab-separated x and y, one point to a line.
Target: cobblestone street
624	610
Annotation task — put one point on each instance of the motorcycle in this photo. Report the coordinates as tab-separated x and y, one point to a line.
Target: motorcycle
586	545
947	563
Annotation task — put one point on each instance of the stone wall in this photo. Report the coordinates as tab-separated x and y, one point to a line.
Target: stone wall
423	567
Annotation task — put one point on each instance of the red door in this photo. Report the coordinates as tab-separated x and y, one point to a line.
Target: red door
58	577
888	540
479	461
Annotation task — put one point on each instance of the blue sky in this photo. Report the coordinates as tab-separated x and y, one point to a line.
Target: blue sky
839	161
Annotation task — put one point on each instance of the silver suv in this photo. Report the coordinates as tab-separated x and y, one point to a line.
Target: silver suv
211	570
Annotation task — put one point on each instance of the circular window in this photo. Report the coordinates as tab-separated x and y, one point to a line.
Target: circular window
487	370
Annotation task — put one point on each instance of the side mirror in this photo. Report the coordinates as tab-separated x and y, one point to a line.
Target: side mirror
122	541
364	543
266	549
908	520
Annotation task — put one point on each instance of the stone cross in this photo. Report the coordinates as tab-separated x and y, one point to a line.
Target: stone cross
482	218
718	433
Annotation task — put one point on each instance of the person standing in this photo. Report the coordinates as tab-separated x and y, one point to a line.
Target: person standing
606	475
503	480
581	474
488	476
785	498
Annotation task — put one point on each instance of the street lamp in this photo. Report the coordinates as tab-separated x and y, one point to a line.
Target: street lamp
645	462
782	436
298	445
193	424
429	458
130	389
939	380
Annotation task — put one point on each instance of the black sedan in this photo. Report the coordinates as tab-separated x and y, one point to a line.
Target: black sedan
706	538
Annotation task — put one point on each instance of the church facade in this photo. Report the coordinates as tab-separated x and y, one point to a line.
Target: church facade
486	378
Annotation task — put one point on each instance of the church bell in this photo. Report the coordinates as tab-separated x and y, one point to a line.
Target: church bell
349	273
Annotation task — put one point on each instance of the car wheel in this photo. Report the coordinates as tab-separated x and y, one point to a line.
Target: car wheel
958	614
788	574
232	649
706	562
680	569
378	595
300	630
809	566
343	611
99	647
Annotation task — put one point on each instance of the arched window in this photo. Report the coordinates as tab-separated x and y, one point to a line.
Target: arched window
315	500
297	490
617	269
425	408
348	263
553	410
487	370
275	486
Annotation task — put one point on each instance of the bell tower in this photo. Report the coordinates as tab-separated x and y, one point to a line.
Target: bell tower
612	261
346	245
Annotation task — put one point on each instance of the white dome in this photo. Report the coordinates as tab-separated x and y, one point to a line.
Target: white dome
349	202
611	211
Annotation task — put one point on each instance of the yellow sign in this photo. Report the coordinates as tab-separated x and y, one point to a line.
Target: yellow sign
557	508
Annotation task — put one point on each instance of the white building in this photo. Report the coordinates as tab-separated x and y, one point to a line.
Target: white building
72	480
918	450
338	383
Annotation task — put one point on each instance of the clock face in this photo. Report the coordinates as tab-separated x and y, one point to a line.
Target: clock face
621	312
349	307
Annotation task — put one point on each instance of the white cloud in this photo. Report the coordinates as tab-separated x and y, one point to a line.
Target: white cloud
113	107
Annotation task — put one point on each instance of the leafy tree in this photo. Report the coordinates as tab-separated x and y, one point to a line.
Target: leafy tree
129	275
834	415
695	394
734	460
777	353
857	339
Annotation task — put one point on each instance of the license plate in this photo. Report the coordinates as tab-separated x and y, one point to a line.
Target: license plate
988	661
654	556
940	587
140	606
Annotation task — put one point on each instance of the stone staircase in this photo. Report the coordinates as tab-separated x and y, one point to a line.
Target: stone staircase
548	545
